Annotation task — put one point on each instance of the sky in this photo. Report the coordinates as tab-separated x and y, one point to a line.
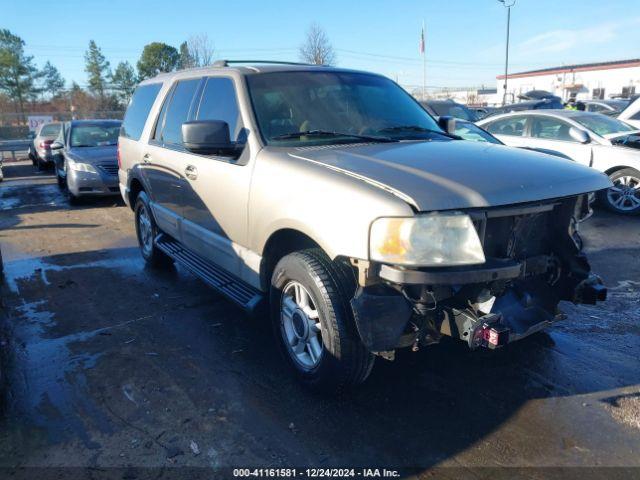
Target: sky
465	39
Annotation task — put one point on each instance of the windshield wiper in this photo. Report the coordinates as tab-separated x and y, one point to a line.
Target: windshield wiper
329	133
417	128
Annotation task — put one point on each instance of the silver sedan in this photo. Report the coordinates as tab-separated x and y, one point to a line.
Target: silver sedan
601	142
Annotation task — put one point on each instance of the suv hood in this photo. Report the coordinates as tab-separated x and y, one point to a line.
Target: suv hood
94	155
442	175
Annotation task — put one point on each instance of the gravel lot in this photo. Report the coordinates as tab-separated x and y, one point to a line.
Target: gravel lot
111	364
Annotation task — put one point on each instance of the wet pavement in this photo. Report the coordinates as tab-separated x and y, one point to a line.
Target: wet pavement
110	364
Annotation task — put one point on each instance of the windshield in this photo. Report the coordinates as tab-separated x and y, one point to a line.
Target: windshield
363	105
469	131
95	135
453	110
602	125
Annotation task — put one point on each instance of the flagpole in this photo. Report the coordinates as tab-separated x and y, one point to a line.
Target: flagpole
424	65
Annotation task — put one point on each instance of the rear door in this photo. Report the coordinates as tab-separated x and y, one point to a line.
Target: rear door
162	165
509	130
552	133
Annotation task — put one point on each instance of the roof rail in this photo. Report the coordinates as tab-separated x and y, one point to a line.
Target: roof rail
226	63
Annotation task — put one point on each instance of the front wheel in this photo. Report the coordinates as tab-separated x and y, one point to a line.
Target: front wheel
313	323
624	196
147	231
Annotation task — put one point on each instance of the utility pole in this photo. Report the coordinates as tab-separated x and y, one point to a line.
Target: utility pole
508	4
424	63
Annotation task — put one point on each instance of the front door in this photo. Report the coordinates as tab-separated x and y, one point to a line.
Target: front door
215	189
551	133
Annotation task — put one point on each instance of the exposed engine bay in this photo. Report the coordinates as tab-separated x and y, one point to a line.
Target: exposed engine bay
630	141
534	260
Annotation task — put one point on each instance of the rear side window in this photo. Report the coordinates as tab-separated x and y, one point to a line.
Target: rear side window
513	126
50	130
178	111
138	110
219	103
550	129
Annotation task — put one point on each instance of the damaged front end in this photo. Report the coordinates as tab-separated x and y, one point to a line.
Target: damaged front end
534	260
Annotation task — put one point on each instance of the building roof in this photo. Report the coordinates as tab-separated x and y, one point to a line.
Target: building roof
583	67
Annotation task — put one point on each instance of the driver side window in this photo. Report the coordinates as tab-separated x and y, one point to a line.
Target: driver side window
550	129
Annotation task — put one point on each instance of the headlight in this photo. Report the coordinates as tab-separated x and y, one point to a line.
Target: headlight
82	167
432	240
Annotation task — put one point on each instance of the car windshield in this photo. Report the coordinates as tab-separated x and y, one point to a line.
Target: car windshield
602	125
469	131
454	110
335	107
95	135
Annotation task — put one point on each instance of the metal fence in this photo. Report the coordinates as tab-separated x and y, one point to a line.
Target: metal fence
18	126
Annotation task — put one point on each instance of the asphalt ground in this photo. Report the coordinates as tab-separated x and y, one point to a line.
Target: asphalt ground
114	369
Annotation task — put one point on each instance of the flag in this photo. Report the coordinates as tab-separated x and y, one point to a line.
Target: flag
422	40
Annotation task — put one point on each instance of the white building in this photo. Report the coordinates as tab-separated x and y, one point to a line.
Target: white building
587	81
475	96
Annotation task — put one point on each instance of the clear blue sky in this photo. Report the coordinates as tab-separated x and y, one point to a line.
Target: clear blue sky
464	40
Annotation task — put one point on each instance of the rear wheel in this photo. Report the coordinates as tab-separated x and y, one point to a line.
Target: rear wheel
624	196
146	231
313	323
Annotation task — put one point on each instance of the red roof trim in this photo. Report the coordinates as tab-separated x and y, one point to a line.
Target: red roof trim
586	68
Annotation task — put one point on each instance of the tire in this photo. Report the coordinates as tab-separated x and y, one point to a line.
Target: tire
343	361
624	197
39	165
146	233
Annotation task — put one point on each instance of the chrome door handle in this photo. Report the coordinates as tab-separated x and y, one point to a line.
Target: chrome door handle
191	172
146	158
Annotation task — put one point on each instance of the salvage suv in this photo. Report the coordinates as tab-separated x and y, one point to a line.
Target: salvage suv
333	198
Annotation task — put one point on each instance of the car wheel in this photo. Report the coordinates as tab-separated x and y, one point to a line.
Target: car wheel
147	231
39	165
624	196
313	323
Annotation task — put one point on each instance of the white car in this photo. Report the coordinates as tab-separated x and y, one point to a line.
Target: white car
604	143
631	114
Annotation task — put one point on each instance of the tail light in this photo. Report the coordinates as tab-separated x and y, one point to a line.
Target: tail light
118	157
46	144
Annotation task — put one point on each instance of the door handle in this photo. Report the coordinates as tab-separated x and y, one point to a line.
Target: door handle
146	158
191	172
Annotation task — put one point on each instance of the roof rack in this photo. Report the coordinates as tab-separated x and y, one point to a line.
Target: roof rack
226	63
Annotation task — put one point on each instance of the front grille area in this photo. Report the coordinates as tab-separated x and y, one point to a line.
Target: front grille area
109	168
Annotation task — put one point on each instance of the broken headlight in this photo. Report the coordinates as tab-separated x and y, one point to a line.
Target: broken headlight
432	240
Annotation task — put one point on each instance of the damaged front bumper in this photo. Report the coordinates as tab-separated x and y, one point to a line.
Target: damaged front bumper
534	261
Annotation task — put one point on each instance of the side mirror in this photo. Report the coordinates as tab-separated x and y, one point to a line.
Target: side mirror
579	135
448	124
207	137
56	146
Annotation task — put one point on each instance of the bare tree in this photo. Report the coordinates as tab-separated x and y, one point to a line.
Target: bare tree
317	49
201	50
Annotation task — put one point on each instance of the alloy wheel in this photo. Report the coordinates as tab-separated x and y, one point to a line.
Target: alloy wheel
625	193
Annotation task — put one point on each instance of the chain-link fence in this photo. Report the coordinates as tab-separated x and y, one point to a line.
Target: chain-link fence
19	126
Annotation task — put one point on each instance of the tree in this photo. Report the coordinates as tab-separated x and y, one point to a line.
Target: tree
201	50
17	72
124	82
185	60
53	83
157	57
97	67
317	49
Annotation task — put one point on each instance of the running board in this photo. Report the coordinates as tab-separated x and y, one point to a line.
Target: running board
230	286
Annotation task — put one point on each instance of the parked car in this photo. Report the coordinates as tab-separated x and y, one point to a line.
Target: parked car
483	112
631	114
543	104
606	107
85	156
1	174
40	152
333	198
592	139
439	108
471	131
